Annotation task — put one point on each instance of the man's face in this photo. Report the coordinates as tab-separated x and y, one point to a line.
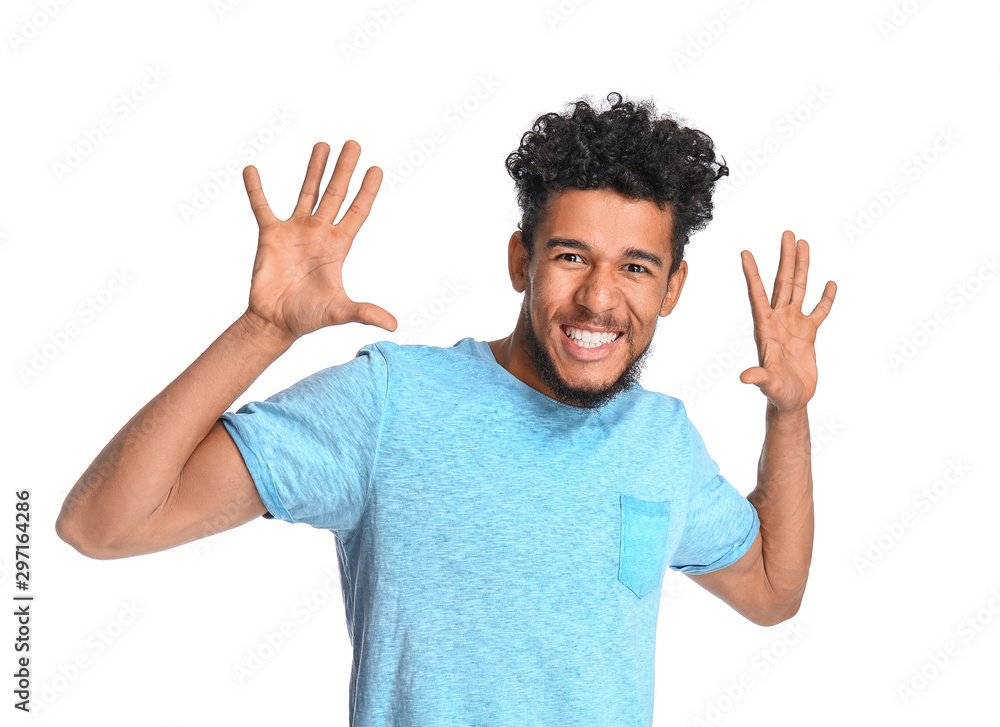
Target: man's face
598	271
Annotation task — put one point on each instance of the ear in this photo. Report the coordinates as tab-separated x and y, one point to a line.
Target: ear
674	287
517	262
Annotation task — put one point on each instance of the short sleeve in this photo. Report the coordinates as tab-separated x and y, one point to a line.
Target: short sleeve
720	525
312	448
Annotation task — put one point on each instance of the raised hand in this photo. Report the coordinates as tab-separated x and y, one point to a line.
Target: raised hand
783	333
296	287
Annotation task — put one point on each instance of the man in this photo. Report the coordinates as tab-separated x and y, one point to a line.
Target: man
504	511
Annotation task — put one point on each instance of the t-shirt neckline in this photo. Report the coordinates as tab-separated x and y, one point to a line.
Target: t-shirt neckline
484	350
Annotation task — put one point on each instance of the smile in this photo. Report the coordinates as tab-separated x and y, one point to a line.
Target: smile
589	339
588	345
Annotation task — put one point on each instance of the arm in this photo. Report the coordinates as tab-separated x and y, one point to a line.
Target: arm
173	474
767	583
130	501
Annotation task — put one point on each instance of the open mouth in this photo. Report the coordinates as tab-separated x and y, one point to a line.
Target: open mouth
589	339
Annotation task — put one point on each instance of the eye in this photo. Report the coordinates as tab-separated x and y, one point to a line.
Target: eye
641	269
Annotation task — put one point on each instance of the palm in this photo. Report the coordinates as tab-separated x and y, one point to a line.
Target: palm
785	336
297	282
297	275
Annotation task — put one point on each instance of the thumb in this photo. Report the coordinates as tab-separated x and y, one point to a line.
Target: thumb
755	375
372	315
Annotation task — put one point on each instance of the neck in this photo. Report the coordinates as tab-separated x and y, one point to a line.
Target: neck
512	353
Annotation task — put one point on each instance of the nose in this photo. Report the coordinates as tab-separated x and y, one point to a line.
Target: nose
598	292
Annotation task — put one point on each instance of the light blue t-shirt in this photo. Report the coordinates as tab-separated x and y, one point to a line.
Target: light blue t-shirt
501	553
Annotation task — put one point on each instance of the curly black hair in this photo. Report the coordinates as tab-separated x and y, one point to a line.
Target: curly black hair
626	148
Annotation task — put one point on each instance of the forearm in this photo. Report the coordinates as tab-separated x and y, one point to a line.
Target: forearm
784	501
136	470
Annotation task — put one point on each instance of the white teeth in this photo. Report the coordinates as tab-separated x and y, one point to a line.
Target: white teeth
590	339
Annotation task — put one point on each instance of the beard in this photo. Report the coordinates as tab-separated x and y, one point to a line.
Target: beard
586	397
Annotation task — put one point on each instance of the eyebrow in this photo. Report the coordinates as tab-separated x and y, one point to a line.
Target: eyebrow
632	253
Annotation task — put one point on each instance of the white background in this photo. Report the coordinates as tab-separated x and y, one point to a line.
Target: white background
901	404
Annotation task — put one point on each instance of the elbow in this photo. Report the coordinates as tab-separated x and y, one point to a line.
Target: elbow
85	528
776	612
773	617
71	533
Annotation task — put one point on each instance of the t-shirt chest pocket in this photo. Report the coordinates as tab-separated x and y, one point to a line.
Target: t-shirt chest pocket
645	533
